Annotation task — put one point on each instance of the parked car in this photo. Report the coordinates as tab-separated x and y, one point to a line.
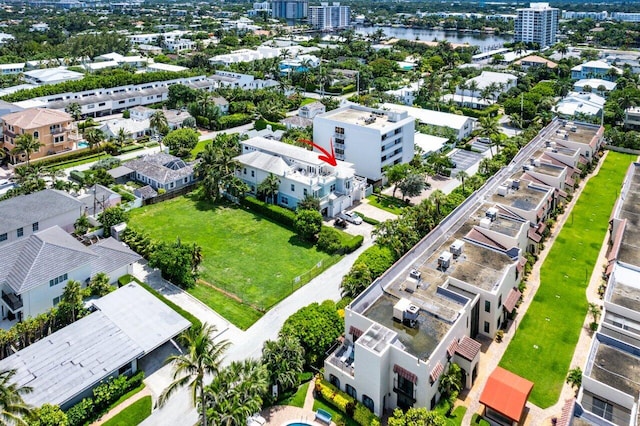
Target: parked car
351	217
340	223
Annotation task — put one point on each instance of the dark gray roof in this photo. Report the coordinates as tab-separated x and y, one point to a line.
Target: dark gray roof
119	172
145	192
24	210
112	255
33	261
298	121
153	167
8	108
129	323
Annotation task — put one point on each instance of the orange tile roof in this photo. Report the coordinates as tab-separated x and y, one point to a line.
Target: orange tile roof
34	118
506	393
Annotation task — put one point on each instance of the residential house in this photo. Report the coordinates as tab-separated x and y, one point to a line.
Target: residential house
594	85
39	27
162	171
483	90
134	129
267	133
174	117
311	110
52	128
462	125
370	139
51	76
24	215
37	268
302	63
297	122
148	49
11	69
159	66
584	137
301	174
221	103
5	38
595	69
407	94
577	104
632	118
534	61
98	198
127	325
231	79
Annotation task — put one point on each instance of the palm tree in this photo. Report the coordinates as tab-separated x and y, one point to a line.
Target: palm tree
489	128
473	88
204	356
72	297
217	164
93	136
13	408
462	176
122	137
235	393
26	144
270	186
158	123
462	87
284	359
75	110
438	197
574	378
562	49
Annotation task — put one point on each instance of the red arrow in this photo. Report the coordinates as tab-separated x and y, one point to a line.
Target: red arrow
327	157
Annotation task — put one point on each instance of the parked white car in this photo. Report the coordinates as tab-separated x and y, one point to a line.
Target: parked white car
350	217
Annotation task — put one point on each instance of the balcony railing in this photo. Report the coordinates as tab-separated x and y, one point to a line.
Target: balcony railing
343	360
13	301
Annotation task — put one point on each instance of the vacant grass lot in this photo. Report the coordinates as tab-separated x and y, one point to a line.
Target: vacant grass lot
244	254
546	339
387	202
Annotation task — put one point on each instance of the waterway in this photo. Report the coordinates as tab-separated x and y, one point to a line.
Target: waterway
485	42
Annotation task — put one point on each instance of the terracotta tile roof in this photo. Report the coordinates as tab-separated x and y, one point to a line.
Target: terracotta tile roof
569	182
512	299
563	194
617	240
436	372
406	374
452	347
33	118
534	236
506	393
541	228
468	348
567	412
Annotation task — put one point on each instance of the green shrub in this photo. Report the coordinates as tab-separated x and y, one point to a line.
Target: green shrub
94	152
363	416
329	240
234	120
81	413
261	124
279	214
378	259
344	403
352	244
124	280
77	175
369	220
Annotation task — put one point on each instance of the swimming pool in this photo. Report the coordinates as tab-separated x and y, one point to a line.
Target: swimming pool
298	424
82	144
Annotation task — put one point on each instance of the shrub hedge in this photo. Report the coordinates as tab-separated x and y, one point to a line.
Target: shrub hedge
344	403
261	124
90	409
281	215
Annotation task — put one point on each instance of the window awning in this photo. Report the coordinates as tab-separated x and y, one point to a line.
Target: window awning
468	348
534	236
436	372
405	374
355	331
512	299
506	393
452	347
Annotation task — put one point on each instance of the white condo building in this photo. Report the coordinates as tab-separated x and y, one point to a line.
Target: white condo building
537	24
329	17
368	138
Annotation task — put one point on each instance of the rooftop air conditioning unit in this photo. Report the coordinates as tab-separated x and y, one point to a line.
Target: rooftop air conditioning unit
536	162
573	128
554	150
492	213
444	261
415	274
406	312
503	190
485	223
526	167
515	184
456	248
566	136
552	144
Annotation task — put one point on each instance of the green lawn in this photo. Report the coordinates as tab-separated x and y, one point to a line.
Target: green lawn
133	414
243	253
386	202
199	147
543	346
307	101
296	399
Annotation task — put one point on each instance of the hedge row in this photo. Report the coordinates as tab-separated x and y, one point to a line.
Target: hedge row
281	215
346	404
262	124
90	409
333	241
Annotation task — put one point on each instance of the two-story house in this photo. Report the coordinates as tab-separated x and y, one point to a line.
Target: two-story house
301	173
24	215
51	128
596	69
160	171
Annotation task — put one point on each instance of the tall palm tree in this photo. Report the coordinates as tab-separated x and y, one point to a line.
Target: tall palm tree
438	197
158	123
75	110
562	49
270	186
284	359
204	356
13	409
93	136
489	128
72	297
26	144
462	176
473	88
122	137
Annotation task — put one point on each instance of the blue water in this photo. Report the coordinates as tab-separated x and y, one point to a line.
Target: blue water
298	424
82	144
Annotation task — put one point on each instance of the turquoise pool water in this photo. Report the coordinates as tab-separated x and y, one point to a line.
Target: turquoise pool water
298	424
82	144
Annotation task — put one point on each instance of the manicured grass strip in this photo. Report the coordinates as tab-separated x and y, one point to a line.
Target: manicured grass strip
387	203
240	314
456	416
546	339
335	414
296	399
244	253
125	397
132	415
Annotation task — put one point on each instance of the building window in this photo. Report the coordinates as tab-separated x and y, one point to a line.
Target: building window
500	300
487	306
487	326
56	300
332	188
58	139
368	402
351	391
57	280
20	232
36	134
340	130
284	200
293	188
334	381
304	191
602	408
253	173
4	237
35	226
244	171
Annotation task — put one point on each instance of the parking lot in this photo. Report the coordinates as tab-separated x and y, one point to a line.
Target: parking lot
464	160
